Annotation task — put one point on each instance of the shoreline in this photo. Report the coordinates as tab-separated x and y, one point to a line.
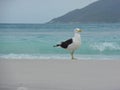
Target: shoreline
59	74
59	57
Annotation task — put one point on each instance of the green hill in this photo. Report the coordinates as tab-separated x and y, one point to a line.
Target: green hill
106	11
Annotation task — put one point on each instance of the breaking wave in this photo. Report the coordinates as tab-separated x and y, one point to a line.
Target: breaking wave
105	46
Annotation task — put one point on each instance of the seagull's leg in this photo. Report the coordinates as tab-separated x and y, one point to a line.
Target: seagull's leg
72	56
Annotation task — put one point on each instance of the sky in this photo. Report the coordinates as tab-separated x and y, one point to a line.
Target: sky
37	11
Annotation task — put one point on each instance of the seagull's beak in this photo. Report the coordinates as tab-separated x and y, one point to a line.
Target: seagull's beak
79	30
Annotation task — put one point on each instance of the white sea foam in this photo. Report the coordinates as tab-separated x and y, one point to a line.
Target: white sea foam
29	56
58	57
105	46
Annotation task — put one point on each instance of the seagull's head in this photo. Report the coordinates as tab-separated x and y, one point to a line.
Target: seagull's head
77	30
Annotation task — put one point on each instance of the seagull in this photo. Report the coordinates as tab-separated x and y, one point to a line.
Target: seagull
72	44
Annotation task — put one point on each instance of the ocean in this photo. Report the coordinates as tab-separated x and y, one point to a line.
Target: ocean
36	41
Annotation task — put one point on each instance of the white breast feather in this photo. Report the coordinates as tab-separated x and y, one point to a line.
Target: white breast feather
74	45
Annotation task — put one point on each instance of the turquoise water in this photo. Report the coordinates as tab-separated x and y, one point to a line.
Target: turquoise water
34	41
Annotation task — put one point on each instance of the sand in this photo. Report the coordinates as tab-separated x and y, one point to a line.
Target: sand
59	75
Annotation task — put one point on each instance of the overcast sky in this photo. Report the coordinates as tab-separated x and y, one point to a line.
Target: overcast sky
37	11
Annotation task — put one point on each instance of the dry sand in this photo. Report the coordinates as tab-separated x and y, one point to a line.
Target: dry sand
59	75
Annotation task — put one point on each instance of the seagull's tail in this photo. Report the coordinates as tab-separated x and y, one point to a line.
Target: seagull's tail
56	45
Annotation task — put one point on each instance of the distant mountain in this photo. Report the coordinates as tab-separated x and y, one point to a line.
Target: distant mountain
107	11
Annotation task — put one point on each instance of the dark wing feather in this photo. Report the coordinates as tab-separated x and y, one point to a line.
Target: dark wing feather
66	43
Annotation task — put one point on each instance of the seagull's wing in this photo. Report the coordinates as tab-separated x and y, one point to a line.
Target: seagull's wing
66	43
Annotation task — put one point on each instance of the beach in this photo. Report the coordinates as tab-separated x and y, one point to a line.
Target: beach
29	74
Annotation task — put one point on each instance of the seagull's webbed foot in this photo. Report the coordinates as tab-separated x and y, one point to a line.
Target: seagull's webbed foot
74	59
